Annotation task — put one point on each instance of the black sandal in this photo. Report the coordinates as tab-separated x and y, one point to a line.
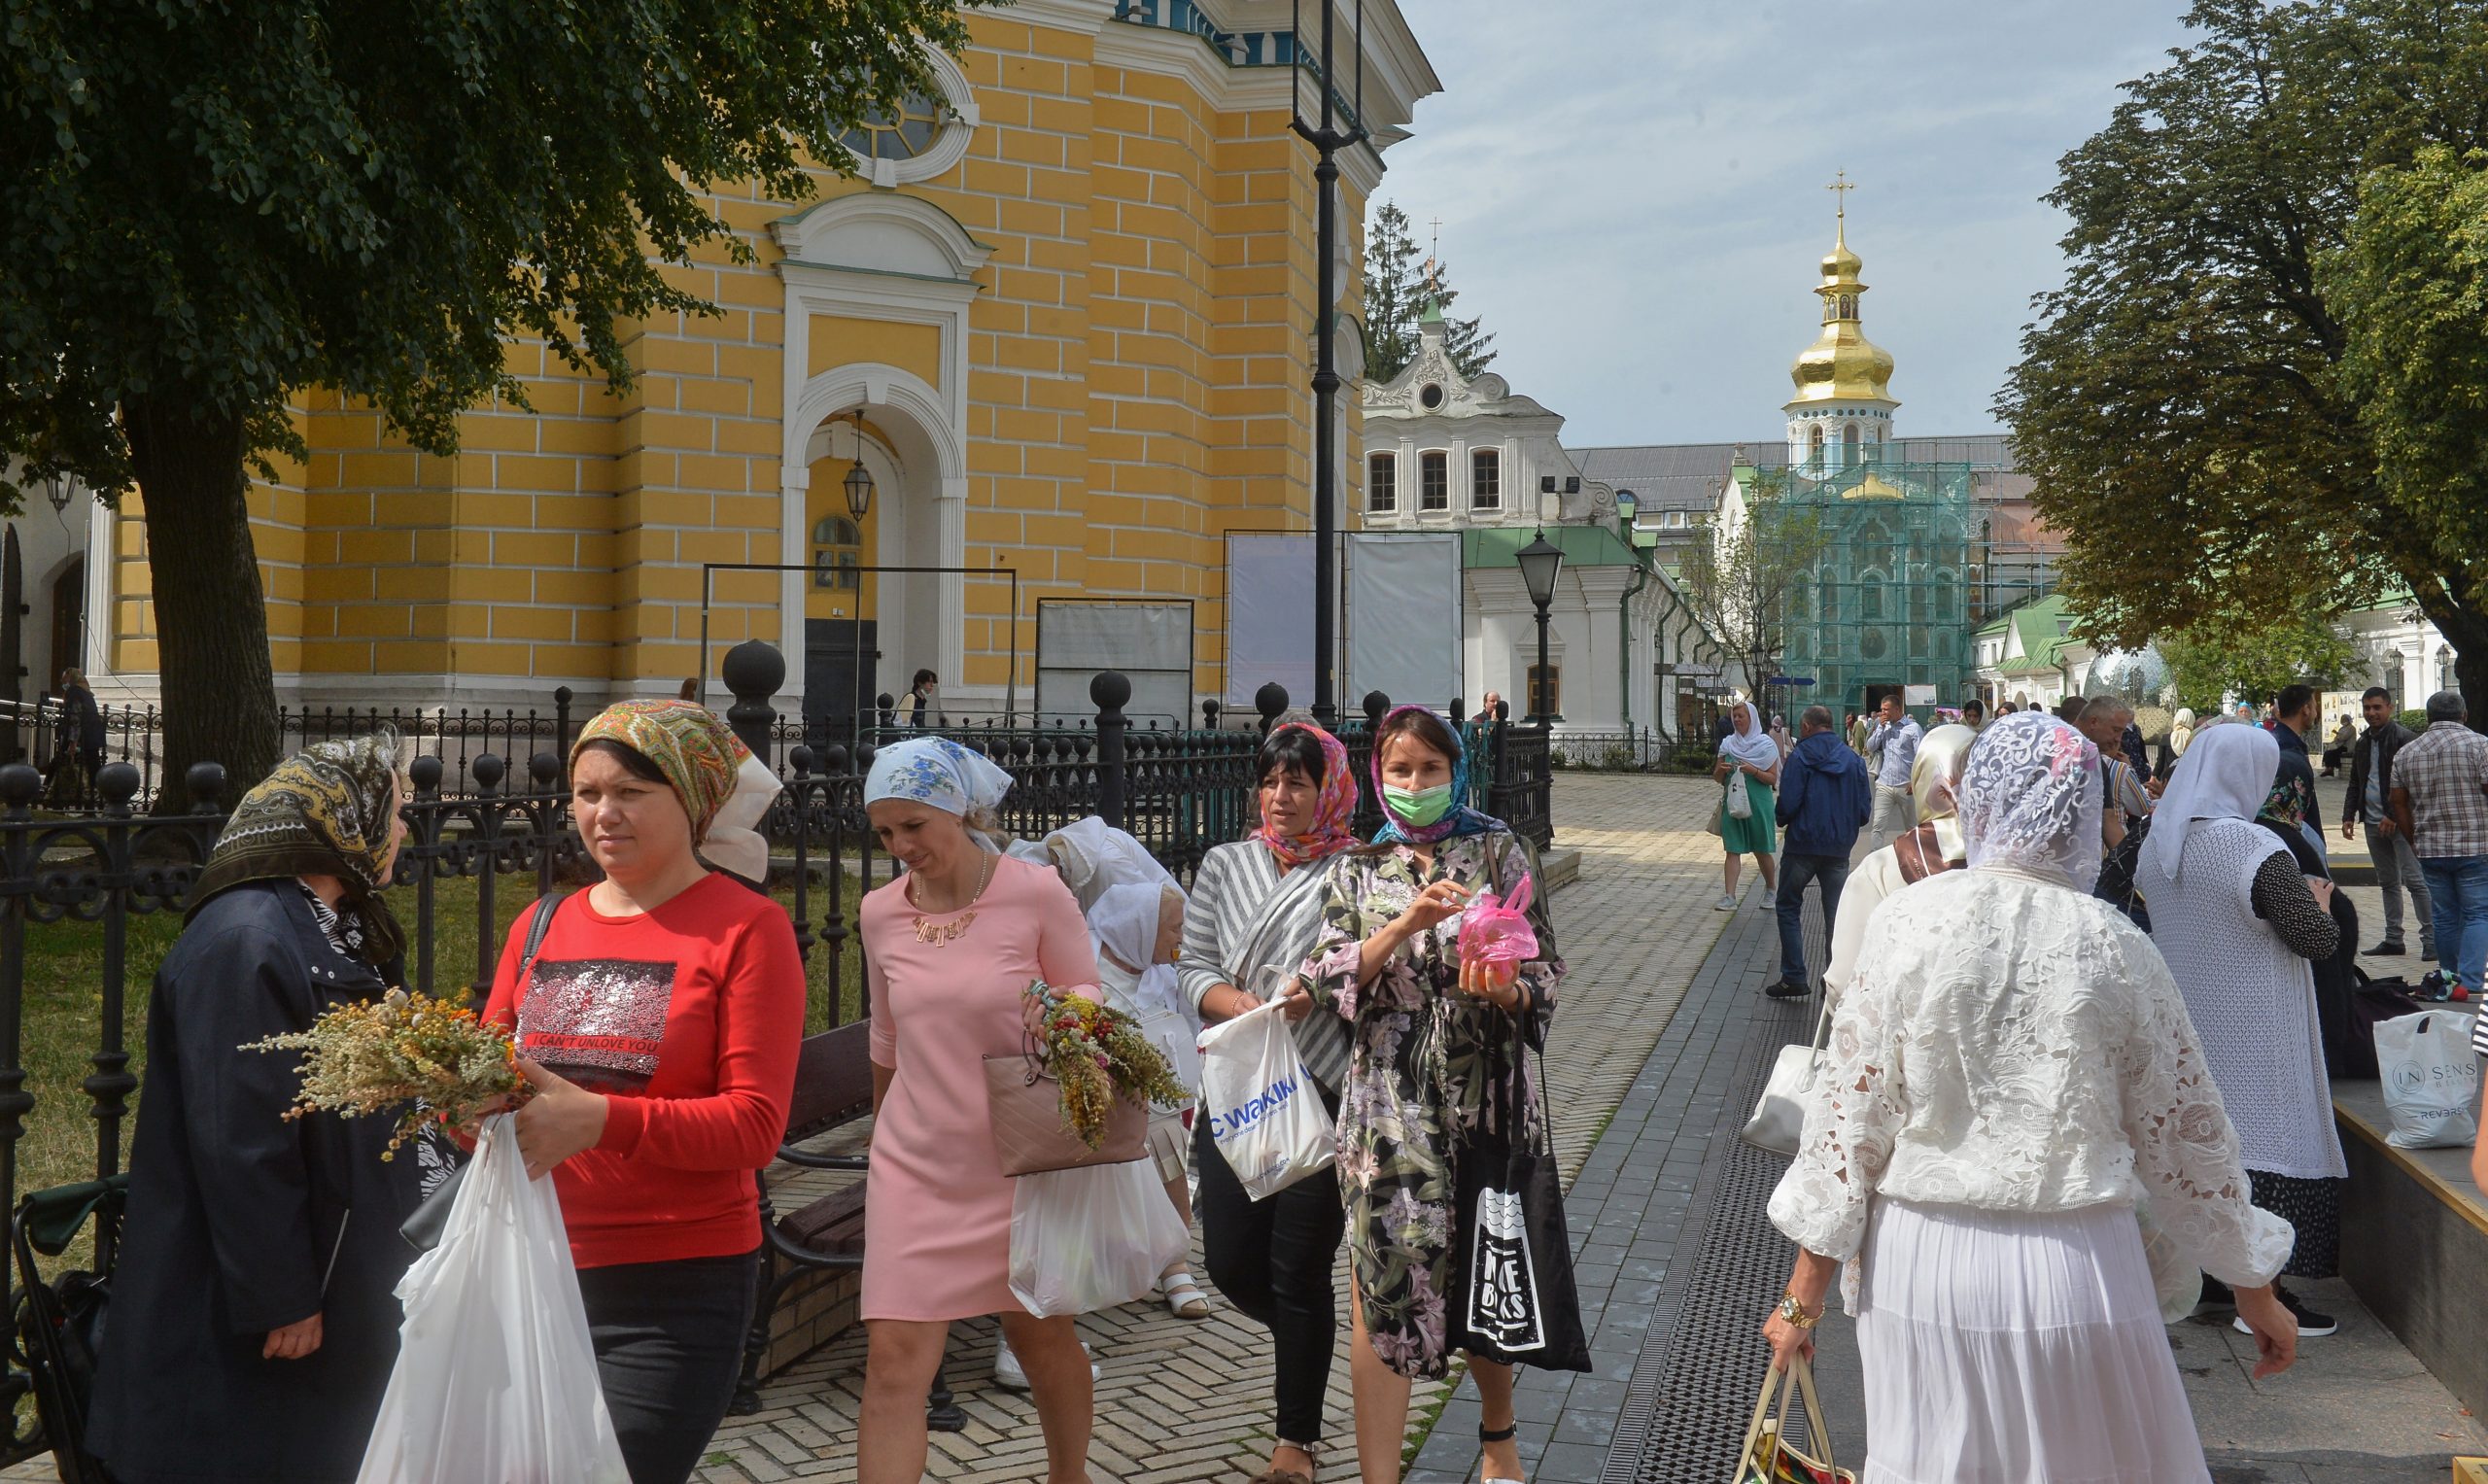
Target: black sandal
1487	1434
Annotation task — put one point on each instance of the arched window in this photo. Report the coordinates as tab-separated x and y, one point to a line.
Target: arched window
1485	479
1830	599
1849	442
1814	446
2444	667
1869	596
1849	306
1382	483
838	549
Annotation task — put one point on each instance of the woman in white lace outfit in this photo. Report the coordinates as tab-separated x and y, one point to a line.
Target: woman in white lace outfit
2012	1070
2242	929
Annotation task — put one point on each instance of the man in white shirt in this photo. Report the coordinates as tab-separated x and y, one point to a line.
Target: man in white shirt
1890	749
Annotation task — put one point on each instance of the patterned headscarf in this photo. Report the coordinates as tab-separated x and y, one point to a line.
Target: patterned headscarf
1935	782
1332	811
2290	802
696	752
2031	799
1456	822
937	771
326	810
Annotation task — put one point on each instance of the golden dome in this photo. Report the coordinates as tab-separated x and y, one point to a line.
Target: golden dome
1842	365
1874	487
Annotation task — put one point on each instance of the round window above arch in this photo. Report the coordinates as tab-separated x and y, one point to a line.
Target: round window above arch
1431	397
925	137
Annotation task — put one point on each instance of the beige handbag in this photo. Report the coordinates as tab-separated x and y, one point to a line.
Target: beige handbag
1029	1133
1778	1122
1768	1457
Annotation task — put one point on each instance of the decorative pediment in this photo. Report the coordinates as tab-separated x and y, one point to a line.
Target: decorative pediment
877	232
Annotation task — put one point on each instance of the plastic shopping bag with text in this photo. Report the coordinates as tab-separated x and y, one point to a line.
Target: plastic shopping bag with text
2429	1077
1265	1115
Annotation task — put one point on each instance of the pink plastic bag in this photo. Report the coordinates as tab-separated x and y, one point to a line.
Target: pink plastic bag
1497	932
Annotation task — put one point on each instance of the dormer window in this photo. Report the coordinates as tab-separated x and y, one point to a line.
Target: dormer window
1382	483
1486	479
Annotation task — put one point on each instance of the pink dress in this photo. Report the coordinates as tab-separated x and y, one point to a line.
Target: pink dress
937	1210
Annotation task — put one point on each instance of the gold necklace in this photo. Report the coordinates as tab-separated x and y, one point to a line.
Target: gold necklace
941	934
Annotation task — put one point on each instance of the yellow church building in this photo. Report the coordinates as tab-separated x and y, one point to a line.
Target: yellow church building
1061	320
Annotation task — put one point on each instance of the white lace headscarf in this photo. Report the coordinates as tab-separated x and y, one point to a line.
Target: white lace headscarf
2225	773
2031	799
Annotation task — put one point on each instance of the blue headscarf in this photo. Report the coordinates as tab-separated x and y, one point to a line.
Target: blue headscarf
939	771
1460	820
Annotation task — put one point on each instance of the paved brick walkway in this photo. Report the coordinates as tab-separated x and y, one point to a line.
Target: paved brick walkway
1180	1401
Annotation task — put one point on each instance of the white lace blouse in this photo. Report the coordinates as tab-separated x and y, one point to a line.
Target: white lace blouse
2014	1044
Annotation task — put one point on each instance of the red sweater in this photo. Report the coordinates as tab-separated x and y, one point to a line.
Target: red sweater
688	1019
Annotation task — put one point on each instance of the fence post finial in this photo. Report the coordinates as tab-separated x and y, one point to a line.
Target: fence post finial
754	669
1272	702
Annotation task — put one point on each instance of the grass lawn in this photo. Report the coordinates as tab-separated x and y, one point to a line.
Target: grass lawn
64	1005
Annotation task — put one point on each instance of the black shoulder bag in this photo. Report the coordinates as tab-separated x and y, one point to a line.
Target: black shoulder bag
423	1226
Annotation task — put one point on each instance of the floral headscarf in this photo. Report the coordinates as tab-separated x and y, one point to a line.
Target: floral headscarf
2031	799
696	752
936	771
1332	811
2290	802
326	810
1457	821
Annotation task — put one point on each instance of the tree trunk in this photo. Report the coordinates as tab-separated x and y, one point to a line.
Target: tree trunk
211	618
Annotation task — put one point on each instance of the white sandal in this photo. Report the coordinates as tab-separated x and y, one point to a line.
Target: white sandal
1184	1297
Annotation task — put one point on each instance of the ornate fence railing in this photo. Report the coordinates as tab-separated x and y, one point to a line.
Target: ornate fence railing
474	816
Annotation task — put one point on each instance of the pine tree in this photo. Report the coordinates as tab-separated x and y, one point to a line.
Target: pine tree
1396	296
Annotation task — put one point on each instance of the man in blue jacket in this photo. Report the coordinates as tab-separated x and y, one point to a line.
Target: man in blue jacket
1824	801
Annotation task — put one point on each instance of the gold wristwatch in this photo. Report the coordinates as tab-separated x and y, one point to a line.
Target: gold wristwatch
1795	1313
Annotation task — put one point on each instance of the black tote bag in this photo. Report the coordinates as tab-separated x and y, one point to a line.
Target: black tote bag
1512	1298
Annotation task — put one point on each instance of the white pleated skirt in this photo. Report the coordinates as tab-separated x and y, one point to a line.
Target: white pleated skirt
2017	1349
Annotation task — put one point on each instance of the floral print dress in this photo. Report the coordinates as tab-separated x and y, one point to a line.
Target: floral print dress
1428	1069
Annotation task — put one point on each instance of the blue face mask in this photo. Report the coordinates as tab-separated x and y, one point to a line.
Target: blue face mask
1420	808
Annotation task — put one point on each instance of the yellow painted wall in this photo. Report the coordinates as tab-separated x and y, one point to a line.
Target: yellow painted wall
1136	386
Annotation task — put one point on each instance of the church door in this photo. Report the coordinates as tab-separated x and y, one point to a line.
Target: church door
68	621
840	658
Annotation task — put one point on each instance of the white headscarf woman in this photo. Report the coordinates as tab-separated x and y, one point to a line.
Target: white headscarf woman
2228	775
1750	766
1138	927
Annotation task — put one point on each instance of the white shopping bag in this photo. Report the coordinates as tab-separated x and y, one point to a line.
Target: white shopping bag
1091	1238
2428	1077
496	1377
1263	1113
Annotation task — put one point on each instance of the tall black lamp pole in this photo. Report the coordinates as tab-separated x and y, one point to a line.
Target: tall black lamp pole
1539	562
1327	140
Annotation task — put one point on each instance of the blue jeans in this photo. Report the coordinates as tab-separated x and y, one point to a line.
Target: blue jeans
2458	899
1795	871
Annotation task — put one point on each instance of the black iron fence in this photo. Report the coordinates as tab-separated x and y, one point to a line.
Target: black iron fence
472	816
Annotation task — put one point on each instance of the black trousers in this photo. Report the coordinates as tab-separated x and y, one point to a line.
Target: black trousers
668	1345
1273	1259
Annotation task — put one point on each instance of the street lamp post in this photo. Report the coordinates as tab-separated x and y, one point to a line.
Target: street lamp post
1540	561
1327	141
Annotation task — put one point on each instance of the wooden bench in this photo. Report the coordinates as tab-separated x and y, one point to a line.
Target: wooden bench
824	1236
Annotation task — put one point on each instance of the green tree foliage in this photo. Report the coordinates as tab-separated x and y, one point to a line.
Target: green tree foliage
2183	402
2255	661
216	206
1737	580
1395	301
2411	289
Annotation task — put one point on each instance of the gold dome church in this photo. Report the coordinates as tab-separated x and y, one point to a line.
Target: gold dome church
1043	351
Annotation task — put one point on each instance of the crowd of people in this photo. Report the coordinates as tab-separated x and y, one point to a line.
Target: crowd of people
657	1015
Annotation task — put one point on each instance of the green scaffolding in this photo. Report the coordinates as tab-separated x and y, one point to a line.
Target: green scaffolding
1894	585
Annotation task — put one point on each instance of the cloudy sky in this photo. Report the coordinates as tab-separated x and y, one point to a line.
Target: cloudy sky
1631	190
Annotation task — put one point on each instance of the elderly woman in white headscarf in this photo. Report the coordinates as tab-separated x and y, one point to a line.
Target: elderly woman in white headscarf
1935	845
1139	928
2242	930
2011	1071
1748	772
949	946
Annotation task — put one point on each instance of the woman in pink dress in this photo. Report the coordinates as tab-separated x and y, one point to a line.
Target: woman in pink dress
948	946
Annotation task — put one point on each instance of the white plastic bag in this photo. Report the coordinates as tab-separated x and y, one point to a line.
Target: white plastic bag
496	1377
1091	1238
1740	802
1263	1113
2428	1076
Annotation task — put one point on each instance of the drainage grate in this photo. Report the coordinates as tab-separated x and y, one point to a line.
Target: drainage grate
1693	1387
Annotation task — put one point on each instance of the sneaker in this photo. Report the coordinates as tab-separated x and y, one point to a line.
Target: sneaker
1787	990
1765	902
2310	1324
1727	904
2391	947
1009	1375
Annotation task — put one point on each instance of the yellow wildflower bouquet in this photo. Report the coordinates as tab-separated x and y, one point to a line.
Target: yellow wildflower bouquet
437	1059
1096	1053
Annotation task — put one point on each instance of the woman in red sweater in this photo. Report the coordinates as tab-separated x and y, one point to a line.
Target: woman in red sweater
659	1024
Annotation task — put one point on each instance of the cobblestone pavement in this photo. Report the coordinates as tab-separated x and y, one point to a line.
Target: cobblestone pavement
1177	1401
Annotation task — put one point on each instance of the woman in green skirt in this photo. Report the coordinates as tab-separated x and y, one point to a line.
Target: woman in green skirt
1749	761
